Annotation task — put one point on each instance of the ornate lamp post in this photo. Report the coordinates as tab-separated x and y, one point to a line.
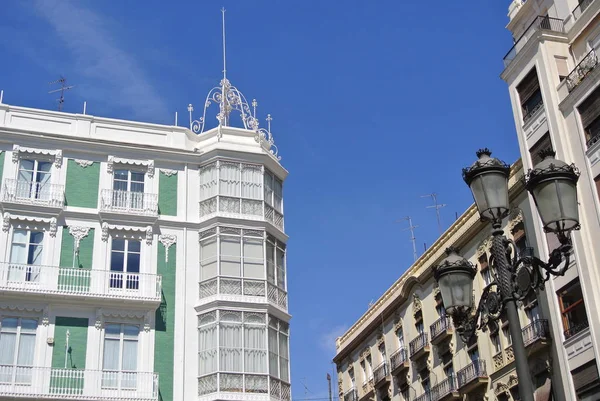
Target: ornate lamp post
552	183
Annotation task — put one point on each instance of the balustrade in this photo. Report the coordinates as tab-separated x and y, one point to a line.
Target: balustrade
241	208
473	371
580	72
439	327
33	193
139	203
538	24
380	372
244	287
398	358
420	343
537	330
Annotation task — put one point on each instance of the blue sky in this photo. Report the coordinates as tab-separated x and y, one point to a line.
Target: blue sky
374	104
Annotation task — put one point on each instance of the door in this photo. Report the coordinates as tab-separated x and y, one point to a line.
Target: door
128	190
25	257
125	264
33	179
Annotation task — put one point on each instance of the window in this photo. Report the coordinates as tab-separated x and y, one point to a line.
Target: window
426	384
532	308
363	367
120	358
561	66
419	323
352	378
473	352
544	143
506	333
125	264
404	393
518	234
33	180
382	352
495	339
128	190
17	348
276	262
572	308
439	306
449	370
25	255
369	367
400	335
530	95
273	191
279	332
485	270
589	110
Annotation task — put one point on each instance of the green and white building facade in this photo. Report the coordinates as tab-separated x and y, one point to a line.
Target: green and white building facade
142	261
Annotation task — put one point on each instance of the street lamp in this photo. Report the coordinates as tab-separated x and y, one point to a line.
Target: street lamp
553	185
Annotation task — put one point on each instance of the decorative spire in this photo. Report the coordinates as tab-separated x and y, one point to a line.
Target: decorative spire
230	99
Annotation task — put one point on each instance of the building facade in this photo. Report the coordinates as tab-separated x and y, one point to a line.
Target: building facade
141	261
405	347
554	86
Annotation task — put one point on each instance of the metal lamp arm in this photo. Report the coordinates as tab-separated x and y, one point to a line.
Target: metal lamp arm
467	324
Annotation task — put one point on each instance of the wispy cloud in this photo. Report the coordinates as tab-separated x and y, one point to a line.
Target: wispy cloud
112	73
328	337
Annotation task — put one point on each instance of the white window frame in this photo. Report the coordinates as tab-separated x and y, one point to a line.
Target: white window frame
34	193
126	277
15	366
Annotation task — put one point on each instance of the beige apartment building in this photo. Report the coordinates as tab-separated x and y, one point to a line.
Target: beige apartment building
405	348
554	84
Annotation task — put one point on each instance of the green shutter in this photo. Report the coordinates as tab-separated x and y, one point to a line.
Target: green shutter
75	281
82	185
75	354
165	321
167	194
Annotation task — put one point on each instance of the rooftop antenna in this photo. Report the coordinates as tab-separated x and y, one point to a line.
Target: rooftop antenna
412	234
63	87
437	208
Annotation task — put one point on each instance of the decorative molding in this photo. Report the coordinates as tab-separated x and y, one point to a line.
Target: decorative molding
99	324
116	227
52	222
168	172
83	163
19	150
112	160
167	240
21	308
5	221
515	218
501	388
149	235
104	231
513	381
45	318
380	340
397	323
147	319
78	233
365	353
484	247
417	305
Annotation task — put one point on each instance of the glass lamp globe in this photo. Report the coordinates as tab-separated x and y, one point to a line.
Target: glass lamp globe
454	276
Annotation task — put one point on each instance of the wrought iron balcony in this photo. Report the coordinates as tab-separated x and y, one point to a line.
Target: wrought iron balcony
446	389
419	346
368	389
581	71
581	7
351	395
127	202
540	23
79	384
399	360
536	332
244	383
244	287
576	328
240	208
533	111
593	140
473	375
426	396
33	193
441	329
380	374
72	281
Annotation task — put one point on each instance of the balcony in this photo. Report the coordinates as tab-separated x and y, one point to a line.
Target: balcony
447	389
351	395
419	347
243	383
368	389
441	329
399	361
33	193
539	24
242	287
380	375
581	71
576	328
82	283
536	335
472	377
130	203
241	208
581	7
41	382
426	396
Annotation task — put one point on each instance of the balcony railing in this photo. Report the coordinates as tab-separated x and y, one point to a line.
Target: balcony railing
244	287
82	282
42	382
367	387
444	388
581	71
244	383
540	23
426	396
139	203
439	326
242	208
380	372
351	395
535	331
398	358
33	193
418	344
474	370
581	7
533	110
576	328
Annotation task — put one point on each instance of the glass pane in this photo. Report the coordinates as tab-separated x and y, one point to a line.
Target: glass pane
35	255
8	342
118	245
134	246
9	324
130	355
19	236
137	187
137	176
131	331
112	330
37	237
26	350
117	261
121	175
133	262
27	164
28	325
18	253
120	185
111	354
44	166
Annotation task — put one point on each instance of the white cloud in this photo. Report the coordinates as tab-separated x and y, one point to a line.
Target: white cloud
327	339
113	74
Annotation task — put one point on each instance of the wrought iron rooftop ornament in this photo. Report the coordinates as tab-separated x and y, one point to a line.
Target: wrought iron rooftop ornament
230	99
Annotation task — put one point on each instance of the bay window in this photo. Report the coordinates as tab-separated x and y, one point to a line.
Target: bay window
276	273
279	349
17	349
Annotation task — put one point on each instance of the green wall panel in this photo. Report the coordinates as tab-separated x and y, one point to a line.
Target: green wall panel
82	185
167	194
68	280
75	354
2	163
165	321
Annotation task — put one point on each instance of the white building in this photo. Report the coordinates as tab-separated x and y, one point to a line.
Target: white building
553	78
142	261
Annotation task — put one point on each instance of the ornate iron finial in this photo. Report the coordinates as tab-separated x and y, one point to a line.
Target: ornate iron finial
254	106
483	151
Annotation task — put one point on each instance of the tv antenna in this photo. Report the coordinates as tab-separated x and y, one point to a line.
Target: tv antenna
63	87
437	206
412	234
